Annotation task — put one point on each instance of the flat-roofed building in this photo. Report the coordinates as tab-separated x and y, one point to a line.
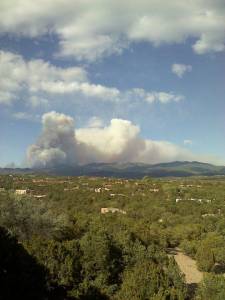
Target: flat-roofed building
105	210
20	192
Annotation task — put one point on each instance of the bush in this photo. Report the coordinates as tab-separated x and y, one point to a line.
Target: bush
212	287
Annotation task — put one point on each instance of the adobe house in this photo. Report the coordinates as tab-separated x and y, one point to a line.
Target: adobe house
20	192
105	210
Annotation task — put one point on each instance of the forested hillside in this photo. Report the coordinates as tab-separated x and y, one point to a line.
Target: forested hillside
126	170
105	238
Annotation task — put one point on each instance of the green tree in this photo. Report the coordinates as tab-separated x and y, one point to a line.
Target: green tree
147	280
61	259
205	258
21	276
211	287
101	262
211	251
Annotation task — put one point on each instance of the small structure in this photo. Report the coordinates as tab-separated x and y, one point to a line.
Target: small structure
178	199
154	190
108	185
194	199
113	195
208	215
105	210
20	192
98	190
71	189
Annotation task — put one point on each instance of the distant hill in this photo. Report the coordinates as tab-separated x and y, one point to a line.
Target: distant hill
128	170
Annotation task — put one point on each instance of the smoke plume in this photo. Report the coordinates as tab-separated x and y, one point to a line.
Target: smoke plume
120	141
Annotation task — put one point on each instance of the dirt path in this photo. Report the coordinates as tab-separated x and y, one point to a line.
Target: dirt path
187	266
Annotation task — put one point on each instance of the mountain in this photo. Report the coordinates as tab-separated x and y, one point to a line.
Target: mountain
127	170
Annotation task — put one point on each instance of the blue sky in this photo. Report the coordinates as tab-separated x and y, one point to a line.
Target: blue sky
85	69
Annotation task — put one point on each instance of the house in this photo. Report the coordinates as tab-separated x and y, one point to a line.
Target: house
208	215
20	192
178	199
105	210
108	185
154	190
194	199
113	195
71	189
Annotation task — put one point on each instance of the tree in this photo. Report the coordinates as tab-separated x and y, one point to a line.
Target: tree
21	276
211	287
101	262
211	251
61	259
147	280
205	258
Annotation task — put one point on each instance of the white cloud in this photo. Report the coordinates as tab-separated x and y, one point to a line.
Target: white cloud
38	76
40	80
25	116
188	142
90	47
34	76
120	141
210	43
180	69
95	122
151	97
163	97
36	101
92	29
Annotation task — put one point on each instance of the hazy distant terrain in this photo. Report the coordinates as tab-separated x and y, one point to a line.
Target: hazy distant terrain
128	170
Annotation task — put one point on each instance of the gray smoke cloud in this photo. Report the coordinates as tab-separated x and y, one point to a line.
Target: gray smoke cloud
120	141
56	144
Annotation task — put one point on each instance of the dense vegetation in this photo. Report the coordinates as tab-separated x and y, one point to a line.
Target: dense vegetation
56	244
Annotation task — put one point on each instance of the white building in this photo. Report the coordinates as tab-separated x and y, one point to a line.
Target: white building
20	192
105	210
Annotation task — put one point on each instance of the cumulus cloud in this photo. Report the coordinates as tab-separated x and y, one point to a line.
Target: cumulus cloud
38	76
40	80
180	69
34	76
92	29
120	141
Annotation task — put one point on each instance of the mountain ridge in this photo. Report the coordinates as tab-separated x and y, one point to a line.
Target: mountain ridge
126	170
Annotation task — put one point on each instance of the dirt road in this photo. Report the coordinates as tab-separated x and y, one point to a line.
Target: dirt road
188	266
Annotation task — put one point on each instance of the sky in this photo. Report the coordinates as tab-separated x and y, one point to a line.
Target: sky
111	81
